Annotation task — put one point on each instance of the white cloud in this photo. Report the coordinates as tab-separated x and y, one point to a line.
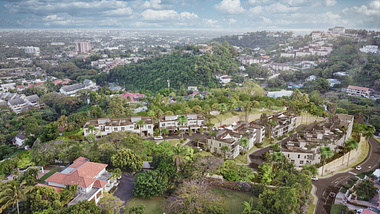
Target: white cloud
161	15
364	15
155	4
330	3
256	10
119	12
230	7
231	21
255	2
266	20
280	8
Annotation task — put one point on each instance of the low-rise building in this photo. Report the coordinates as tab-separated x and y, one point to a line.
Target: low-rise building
92	179
19	139
358	91
71	90
282	93
171	122
18	105
369	49
104	126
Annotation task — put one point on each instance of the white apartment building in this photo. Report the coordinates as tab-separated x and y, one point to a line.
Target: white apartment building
105	126
303	147
369	49
71	90
82	47
18	105
32	50
358	91
194	122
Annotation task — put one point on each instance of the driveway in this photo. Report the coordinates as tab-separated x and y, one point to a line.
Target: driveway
333	183
125	189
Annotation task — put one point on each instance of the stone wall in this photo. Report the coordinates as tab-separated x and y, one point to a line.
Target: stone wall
341	162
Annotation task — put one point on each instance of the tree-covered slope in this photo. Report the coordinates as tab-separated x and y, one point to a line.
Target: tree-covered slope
181	69
262	39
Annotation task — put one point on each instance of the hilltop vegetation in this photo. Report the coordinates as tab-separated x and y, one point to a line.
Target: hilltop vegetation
181	68
262	39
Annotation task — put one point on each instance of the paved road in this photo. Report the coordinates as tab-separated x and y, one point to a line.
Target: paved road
332	184
125	188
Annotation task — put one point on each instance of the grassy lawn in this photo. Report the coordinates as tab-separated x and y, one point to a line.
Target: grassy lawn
336	209
174	142
52	171
233	200
152	206
311	208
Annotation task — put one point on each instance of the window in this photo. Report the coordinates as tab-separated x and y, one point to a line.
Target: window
299	156
122	128
115	129
220	145
292	161
301	162
163	124
288	155
149	127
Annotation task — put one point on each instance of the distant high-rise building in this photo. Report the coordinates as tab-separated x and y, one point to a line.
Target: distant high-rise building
82	47
32	50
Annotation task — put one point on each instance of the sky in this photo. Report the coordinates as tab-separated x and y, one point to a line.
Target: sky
190	14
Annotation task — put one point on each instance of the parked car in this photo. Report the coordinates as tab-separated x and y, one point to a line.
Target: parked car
314	178
158	138
358	168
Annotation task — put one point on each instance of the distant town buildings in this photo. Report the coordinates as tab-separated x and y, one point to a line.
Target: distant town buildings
82	47
32	50
282	93
358	91
369	49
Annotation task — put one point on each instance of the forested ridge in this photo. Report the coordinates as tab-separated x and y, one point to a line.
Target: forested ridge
182	69
261	39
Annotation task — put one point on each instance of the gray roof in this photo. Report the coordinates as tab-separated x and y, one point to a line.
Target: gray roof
32	98
17	101
3	103
21	136
87	82
73	87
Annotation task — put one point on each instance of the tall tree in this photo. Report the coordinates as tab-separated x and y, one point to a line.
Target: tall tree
222	109
244	142
149	184
165	132
182	120
225	149
127	160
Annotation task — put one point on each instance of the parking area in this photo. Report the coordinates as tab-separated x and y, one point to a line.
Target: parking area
125	188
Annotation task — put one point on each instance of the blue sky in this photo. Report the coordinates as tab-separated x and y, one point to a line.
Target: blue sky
191	14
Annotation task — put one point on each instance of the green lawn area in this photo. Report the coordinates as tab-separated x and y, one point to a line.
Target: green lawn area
311	208
233	200
174	142
337	209
52	171
152	206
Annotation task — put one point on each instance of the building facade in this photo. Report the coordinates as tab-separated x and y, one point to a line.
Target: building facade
82	47
358	91
171	122
104	126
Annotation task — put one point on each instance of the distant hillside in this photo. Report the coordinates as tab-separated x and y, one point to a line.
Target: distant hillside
182	69
262	39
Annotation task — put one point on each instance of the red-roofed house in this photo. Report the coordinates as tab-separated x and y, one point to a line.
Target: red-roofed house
20	87
63	82
92	179
36	84
358	91
134	97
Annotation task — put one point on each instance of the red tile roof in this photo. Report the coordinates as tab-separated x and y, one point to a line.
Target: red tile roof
99	183
358	88
83	175
131	95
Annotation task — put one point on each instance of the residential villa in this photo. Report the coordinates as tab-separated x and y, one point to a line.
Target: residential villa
133	97
303	147
194	122
92	179
358	91
284	123
105	126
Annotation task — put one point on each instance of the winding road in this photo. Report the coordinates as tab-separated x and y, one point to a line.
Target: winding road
332	184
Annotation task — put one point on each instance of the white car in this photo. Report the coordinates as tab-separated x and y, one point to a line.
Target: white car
314	178
358	168
158	138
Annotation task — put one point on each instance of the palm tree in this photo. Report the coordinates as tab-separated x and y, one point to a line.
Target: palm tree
12	193
72	188
182	119
350	145
178	153
225	149
140	123
248	207
247	109
197	140
244	142
222	109
325	153
164	132
367	131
